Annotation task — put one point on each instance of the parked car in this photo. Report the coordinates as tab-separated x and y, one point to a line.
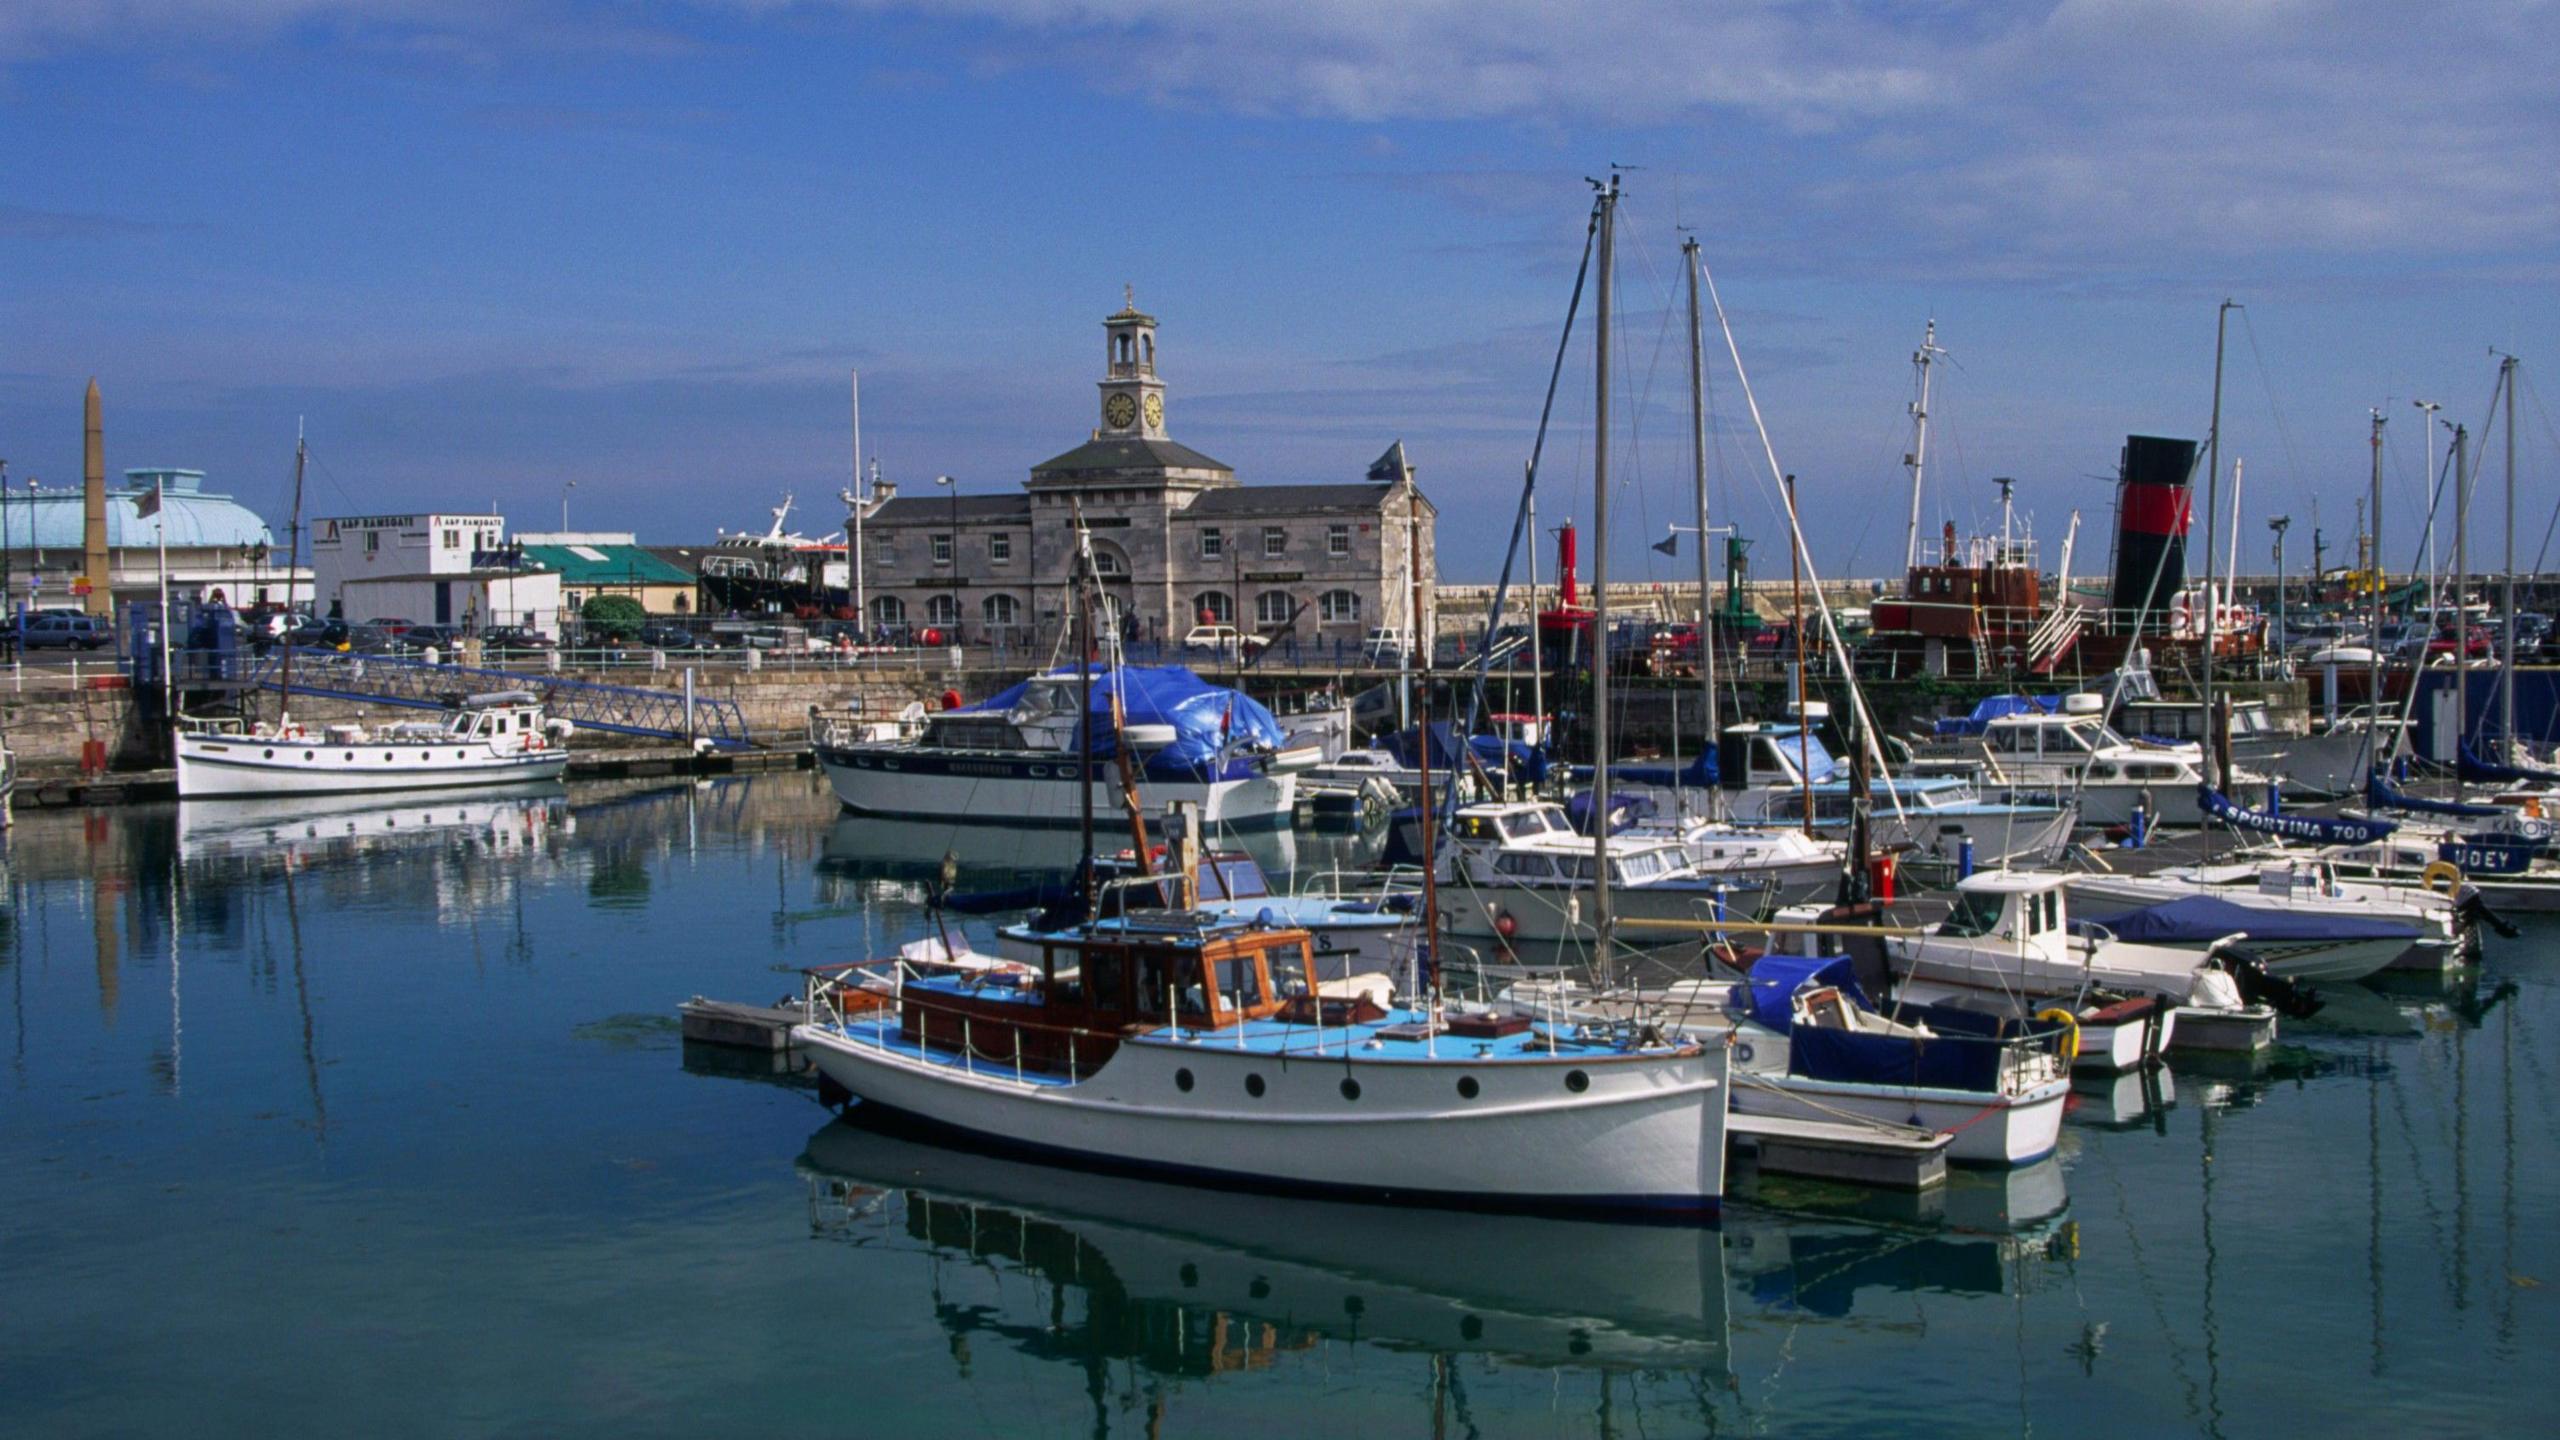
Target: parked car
443	639
1221	640
514	640
1383	647
668	637
55	630
312	632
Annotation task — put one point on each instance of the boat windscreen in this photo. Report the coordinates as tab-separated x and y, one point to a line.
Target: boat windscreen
1977	912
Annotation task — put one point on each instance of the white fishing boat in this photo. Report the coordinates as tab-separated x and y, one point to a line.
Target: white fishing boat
2301	887
1518	871
1014	759
2009	946
1193	1047
501	738
2077	754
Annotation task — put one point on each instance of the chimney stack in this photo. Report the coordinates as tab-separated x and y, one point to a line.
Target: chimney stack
93	530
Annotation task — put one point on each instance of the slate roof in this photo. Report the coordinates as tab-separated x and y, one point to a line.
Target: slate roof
1126	454
1284	499
934	508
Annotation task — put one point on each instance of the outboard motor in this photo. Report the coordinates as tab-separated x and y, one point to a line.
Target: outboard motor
2291	1000
2471	908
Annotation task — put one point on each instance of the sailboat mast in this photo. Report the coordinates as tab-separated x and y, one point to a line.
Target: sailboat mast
2212	505
2373	536
1918	459
1795	622
1600	923
2507	661
1698	474
2461	584
1430	801
1084	710
292	568
1537	639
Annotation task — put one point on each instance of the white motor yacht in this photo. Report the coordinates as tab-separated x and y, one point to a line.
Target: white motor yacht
501	738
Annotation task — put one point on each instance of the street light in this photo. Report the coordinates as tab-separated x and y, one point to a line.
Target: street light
2278	524
565	488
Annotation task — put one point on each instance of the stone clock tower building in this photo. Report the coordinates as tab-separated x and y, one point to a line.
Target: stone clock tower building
1178	540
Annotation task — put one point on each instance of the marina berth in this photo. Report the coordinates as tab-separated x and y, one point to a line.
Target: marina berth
1196	1047
1018	757
502	738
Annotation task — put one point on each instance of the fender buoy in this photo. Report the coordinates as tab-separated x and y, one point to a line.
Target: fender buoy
2070	1024
2444	870
950	699
1504	925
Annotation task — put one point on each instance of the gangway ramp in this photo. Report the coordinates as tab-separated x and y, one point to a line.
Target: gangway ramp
588	704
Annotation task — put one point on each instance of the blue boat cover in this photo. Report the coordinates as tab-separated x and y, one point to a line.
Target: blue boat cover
2469	766
2293	827
1994	707
1698	774
1208	720
1627	808
2378	791
1769	991
2202	919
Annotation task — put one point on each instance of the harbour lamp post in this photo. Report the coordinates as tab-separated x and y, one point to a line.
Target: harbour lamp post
953	485
565	487
2278	525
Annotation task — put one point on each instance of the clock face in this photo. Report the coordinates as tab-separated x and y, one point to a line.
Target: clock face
1119	411
1155	412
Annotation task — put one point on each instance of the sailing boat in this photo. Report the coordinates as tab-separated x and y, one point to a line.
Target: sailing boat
498	738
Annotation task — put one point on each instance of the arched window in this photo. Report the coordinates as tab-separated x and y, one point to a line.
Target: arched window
1107	561
1340	607
941	610
1214	607
1000	610
888	610
1273	607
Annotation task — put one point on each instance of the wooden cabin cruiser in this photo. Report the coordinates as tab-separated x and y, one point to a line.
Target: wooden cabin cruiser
2301	886
1518	871
501	738
1363	936
2076	753
1195	1047
1016	758
1809	1045
1765	773
2008	946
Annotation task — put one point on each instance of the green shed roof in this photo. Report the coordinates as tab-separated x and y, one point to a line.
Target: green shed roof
605	565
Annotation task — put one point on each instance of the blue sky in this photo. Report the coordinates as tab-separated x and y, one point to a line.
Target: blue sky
486	247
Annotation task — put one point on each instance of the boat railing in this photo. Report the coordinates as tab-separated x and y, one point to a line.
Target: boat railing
833	995
1339	883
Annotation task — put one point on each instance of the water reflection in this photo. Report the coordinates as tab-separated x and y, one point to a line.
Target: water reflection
1189	1282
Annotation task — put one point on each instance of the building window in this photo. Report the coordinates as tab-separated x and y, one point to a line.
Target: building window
999	549
1337	539
888	610
1275	541
1273	607
1215	607
1107	562
453	539
373	542
942	549
1340	607
1000	610
941	610
1213	542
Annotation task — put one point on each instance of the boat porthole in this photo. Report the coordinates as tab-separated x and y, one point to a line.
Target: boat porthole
1190	1276
1182	1081
1350	1089
1260	1289
1471	1328
388	757
1253	1086
310	754
458	755
270	755
351	754
1468	1089
1577	1081
1742	1052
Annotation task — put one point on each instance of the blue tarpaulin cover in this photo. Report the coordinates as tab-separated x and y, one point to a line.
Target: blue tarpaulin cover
1994	707
2378	791
1698	774
1962	1054
1769	991
1207	719
2202	919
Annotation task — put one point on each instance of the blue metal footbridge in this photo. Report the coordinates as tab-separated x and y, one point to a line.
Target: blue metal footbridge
588	704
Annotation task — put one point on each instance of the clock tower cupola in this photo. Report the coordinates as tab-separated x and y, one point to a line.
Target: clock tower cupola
1132	396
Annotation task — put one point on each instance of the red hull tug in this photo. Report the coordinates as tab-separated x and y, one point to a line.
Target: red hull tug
1982	612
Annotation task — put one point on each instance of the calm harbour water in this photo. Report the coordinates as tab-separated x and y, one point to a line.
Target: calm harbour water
389	1128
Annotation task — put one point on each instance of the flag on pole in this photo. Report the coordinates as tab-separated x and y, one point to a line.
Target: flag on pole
147	505
1668	544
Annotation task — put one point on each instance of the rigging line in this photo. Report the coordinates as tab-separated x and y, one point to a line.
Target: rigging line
2266	386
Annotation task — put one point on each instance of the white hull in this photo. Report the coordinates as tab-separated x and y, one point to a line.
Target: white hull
248	765
1987	1129
1548	913
2326	962
2169	802
2327	766
1016	795
1647	1135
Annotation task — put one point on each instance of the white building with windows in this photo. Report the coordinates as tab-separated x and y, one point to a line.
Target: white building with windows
430	569
1178	539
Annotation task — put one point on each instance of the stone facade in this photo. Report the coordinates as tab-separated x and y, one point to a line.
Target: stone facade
1179	540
